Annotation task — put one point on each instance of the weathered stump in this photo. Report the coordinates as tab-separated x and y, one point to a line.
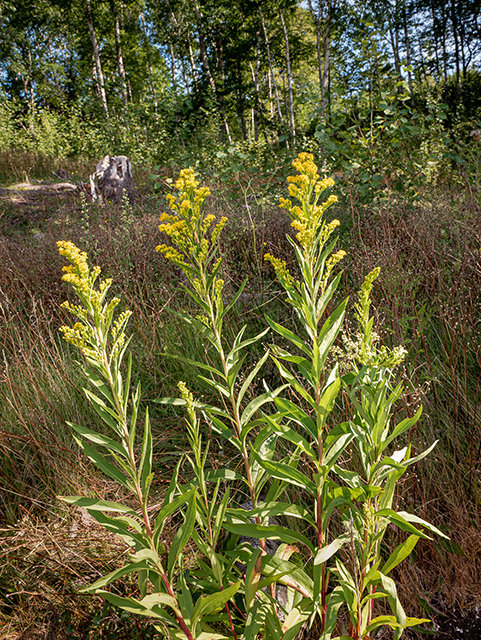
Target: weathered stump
112	176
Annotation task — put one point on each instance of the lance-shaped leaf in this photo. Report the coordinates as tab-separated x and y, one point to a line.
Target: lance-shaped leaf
271	532
255	619
289	335
403	426
134	606
252	375
399	554
328	551
297	415
410	517
252	578
292	436
131	567
104	465
258	402
168	509
98	438
145	466
205	606
92	504
182	536
284	472
329	331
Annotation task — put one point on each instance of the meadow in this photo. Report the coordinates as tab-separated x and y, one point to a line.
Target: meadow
426	299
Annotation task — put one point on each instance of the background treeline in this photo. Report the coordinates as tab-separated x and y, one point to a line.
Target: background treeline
179	79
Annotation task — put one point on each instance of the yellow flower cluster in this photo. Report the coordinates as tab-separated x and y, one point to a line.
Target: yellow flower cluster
330	264
90	335
307	187
187	228
281	269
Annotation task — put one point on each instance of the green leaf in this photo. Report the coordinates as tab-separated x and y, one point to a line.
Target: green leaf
235	298
183	534
380	621
257	403
217	386
410	517
289	335
98	438
156	599
255	619
326	403
274	566
287	375
107	414
297	415
330	329
105	466
273	509
271	532
134	606
287	473
398	520
399	554
194	363
402	427
336	449
120	528
251	377
327	552
389	587
168	509
237	346
207	605
99	383
91	504
145	466
292	436
252	578
131	567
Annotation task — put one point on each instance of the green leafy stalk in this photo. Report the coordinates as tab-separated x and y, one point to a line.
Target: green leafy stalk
103	343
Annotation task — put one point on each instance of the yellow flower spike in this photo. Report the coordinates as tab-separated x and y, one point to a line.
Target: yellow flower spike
218	229
281	269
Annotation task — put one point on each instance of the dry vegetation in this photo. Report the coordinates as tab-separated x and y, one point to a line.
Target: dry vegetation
428	299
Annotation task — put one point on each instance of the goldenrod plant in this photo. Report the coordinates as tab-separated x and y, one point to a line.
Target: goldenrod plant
334	559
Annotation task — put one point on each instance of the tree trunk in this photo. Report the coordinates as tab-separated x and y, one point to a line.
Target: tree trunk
316	18
203	50
454	22
408	50
192	61
326	74
255	80
323	35
149	61
207	69
219	51
435	35
240	102
271	70
98	65
289	79
120	59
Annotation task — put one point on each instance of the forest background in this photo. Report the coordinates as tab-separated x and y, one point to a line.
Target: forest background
385	93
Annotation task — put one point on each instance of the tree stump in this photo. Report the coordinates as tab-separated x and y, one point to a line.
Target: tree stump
112	176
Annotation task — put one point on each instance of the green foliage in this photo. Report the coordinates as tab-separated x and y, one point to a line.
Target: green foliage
285	437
